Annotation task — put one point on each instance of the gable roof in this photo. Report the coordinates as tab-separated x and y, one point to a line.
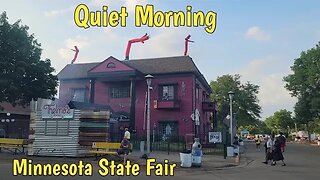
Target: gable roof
76	71
118	66
154	66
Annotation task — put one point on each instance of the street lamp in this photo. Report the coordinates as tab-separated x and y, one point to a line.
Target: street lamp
231	94
148	79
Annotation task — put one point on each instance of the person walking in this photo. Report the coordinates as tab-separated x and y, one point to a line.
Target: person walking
277	153
258	142
282	141
269	145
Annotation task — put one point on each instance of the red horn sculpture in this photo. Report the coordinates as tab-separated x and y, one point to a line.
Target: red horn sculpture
186	44
75	55
142	39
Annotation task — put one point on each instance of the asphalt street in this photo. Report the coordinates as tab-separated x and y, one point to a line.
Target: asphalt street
303	162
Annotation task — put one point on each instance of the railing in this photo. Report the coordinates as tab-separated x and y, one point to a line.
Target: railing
174	143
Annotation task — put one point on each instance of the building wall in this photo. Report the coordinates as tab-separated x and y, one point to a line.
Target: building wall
186	93
181	116
102	96
66	88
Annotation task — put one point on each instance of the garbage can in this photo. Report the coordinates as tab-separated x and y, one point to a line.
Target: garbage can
196	153
230	151
185	158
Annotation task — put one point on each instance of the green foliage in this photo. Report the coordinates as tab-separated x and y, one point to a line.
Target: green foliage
280	121
23	75
245	103
304	84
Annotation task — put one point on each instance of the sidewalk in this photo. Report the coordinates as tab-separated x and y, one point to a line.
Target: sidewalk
207	162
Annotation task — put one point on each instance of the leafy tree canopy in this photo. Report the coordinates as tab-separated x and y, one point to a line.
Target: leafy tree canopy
280	121
304	83
24	76
245	103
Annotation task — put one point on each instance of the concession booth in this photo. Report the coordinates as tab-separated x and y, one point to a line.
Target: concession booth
68	130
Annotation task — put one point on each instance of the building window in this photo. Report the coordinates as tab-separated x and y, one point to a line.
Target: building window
168	130
79	95
167	92
119	92
111	65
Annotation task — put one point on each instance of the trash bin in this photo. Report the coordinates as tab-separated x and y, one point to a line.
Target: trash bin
230	151
185	158
196	153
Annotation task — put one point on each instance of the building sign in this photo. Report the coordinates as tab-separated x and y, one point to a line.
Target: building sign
54	112
215	137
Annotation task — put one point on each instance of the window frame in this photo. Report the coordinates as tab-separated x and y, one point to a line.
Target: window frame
175	92
120	94
85	97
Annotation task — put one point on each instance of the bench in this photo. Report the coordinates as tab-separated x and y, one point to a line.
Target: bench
105	148
16	144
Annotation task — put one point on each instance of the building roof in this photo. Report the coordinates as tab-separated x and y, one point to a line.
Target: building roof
76	71
179	64
154	66
8	108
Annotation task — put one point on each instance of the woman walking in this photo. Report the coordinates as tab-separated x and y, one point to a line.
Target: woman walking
277	153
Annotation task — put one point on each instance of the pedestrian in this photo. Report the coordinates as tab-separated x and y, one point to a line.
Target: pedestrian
277	153
282	141
127	134
124	149
269	145
258	142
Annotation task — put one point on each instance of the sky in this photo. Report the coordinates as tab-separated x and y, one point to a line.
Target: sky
257	39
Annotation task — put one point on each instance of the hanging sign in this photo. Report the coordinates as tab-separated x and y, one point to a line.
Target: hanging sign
54	112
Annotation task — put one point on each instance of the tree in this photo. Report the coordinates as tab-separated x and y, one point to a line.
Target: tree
245	103
280	121
23	75
304	84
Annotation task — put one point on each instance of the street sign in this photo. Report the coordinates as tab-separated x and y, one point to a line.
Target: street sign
215	137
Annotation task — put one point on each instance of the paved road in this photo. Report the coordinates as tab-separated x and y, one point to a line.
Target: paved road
303	162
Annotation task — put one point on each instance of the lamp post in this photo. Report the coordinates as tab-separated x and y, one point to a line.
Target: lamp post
148	79
231	94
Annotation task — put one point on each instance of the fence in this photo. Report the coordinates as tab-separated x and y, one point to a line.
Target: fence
175	143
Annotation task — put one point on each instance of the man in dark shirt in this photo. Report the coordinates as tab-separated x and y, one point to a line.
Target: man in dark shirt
282	141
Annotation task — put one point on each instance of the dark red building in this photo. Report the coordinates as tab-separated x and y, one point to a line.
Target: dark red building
178	89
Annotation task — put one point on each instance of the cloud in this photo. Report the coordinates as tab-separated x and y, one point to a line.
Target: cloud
257	34
268	73
59	12
165	43
66	53
129	4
